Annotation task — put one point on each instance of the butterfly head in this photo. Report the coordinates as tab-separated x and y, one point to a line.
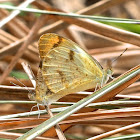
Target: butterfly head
107	73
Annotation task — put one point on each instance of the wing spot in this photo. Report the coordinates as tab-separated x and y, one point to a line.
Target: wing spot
48	91
71	55
61	75
58	43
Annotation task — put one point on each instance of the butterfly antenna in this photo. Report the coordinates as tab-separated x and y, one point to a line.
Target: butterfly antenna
119	55
25	87
14	84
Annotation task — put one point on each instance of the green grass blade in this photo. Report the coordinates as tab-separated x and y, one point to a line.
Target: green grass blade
129	27
19	75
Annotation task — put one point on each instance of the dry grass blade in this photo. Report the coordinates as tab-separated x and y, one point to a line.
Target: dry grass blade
14	13
115	131
32	78
30	74
9	135
116	115
60	24
100	6
57	127
20	52
104	30
126	79
83	118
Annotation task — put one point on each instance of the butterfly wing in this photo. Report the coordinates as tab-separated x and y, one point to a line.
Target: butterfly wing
50	41
66	68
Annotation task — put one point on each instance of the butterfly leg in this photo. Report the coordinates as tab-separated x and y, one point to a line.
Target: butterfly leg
96	87
38	110
102	81
32	110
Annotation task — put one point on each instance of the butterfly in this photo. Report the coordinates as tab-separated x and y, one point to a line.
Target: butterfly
65	68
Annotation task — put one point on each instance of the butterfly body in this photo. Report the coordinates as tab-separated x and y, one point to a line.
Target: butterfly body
65	68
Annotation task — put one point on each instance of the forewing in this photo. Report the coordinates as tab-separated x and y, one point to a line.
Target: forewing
48	42
66	67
